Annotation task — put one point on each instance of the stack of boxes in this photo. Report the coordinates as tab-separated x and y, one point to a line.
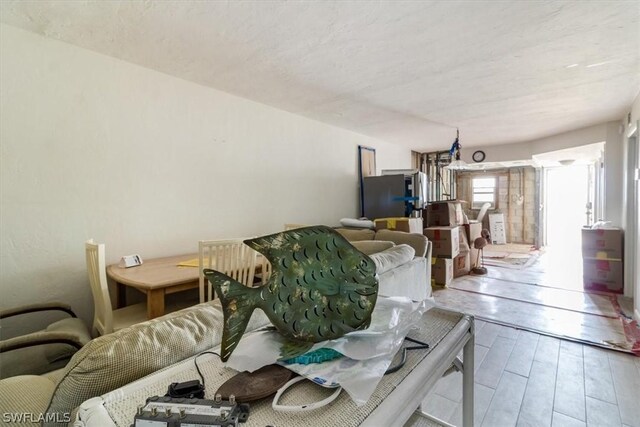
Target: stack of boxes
443	228
445	242
602	268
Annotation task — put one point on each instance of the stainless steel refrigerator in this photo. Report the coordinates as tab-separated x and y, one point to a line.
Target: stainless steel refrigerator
396	193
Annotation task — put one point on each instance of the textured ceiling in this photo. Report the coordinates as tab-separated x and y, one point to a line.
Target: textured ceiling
405	72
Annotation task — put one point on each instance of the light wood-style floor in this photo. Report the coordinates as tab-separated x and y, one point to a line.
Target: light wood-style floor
526	379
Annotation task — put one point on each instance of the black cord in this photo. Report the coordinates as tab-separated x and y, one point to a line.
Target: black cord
399	365
415	341
421	345
195	361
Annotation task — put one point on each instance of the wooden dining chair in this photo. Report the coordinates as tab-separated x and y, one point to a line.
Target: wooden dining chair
231	257
105	319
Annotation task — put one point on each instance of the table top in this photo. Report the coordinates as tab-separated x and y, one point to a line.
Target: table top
446	331
156	273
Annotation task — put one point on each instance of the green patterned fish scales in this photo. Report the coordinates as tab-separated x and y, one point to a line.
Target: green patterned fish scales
320	288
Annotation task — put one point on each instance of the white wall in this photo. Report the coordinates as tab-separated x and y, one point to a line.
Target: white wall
613	161
94	147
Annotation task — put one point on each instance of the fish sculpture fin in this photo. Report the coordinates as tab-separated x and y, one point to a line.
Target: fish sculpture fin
359	288
291	349
238	302
274	245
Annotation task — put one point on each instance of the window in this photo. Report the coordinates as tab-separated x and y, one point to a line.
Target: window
484	190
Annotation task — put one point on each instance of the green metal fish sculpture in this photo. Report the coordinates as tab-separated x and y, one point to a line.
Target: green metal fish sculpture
320	288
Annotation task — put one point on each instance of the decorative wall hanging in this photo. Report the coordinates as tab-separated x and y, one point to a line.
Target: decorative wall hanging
320	288
366	167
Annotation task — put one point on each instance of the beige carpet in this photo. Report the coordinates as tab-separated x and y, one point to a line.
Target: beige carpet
509	248
510	255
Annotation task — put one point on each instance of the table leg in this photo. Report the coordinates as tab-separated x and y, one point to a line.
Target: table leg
468	380
155	303
121	295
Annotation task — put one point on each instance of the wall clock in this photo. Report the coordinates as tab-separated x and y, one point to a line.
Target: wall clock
478	156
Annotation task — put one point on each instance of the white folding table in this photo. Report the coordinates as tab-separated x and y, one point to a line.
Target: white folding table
394	401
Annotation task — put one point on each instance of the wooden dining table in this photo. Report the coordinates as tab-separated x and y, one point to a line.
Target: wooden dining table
156	278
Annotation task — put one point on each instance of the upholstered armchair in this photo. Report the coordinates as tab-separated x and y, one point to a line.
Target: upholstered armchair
42	351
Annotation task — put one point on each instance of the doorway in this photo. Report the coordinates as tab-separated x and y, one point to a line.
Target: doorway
632	221
568	199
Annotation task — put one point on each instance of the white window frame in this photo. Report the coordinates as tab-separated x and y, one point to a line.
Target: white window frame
484	189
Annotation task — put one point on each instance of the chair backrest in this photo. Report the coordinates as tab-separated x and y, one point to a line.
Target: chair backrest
96	269
265	268
231	257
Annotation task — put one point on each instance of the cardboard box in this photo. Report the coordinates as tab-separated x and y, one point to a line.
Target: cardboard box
602	243
441	271
445	241
409	225
603	275
462	264
447	213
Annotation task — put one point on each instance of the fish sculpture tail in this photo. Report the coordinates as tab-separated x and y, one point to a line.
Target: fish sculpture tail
238	302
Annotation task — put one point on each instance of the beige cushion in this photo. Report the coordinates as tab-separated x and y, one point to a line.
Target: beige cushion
369	247
34	360
25	394
54	376
417	241
111	361
73	326
392	258
354	235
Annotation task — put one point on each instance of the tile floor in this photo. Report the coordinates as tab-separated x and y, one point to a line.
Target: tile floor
526	379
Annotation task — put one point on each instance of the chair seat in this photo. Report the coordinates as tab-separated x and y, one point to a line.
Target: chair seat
129	315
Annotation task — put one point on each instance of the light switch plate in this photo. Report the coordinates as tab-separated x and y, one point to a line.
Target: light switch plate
130	261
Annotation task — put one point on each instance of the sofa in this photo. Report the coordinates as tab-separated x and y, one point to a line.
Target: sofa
401	272
114	360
